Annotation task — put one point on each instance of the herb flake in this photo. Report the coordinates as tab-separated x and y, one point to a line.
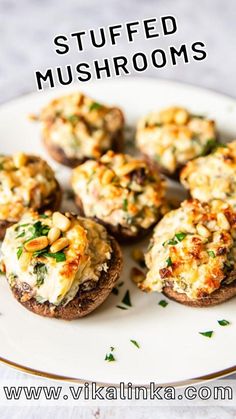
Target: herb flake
223	322
135	343
19	252
207	334
211	253
110	357
169	262
95	106
126	300
163	303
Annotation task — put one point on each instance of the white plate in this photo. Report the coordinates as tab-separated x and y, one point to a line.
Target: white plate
171	348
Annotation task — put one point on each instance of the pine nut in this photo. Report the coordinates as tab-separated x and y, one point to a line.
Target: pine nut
60	221
59	245
38	243
202	230
25	260
53	234
136	275
222	221
129	167
106	158
107	177
167	115
181	117
19	159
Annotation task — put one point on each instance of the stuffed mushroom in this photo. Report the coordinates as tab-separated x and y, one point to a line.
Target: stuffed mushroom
212	176
124	193
192	255
60	265
26	181
76	128
173	136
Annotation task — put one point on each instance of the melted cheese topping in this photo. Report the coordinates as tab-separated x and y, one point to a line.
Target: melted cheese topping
25	182
45	278
120	190
213	176
193	249
80	126
173	136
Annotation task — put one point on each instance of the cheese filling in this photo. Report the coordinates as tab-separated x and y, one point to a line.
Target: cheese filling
213	176
120	190
55	277
25	182
173	136
81	127
193	249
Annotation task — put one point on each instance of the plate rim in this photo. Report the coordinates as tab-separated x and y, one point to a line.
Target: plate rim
176	384
125	79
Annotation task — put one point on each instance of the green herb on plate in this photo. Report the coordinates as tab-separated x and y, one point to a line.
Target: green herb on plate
126	300
163	303
207	334
135	343
223	322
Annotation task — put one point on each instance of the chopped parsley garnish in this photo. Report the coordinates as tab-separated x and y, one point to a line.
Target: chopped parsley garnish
59	256
207	334
40	270
21	226
110	357
170	242
22	234
211	253
223	322
211	145
115	291
169	261
38	229
126	300
180	236
135	343
121	307
121	283
163	303
43	216
73	118
1	272
95	106
125	204
19	252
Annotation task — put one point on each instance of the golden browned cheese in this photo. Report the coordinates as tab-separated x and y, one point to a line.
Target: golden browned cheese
120	190
193	249
213	176
173	136
49	272
25	182
80	126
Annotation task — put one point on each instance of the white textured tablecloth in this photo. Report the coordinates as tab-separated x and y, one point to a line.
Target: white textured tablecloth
27	28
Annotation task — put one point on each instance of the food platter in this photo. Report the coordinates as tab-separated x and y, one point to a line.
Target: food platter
171	348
